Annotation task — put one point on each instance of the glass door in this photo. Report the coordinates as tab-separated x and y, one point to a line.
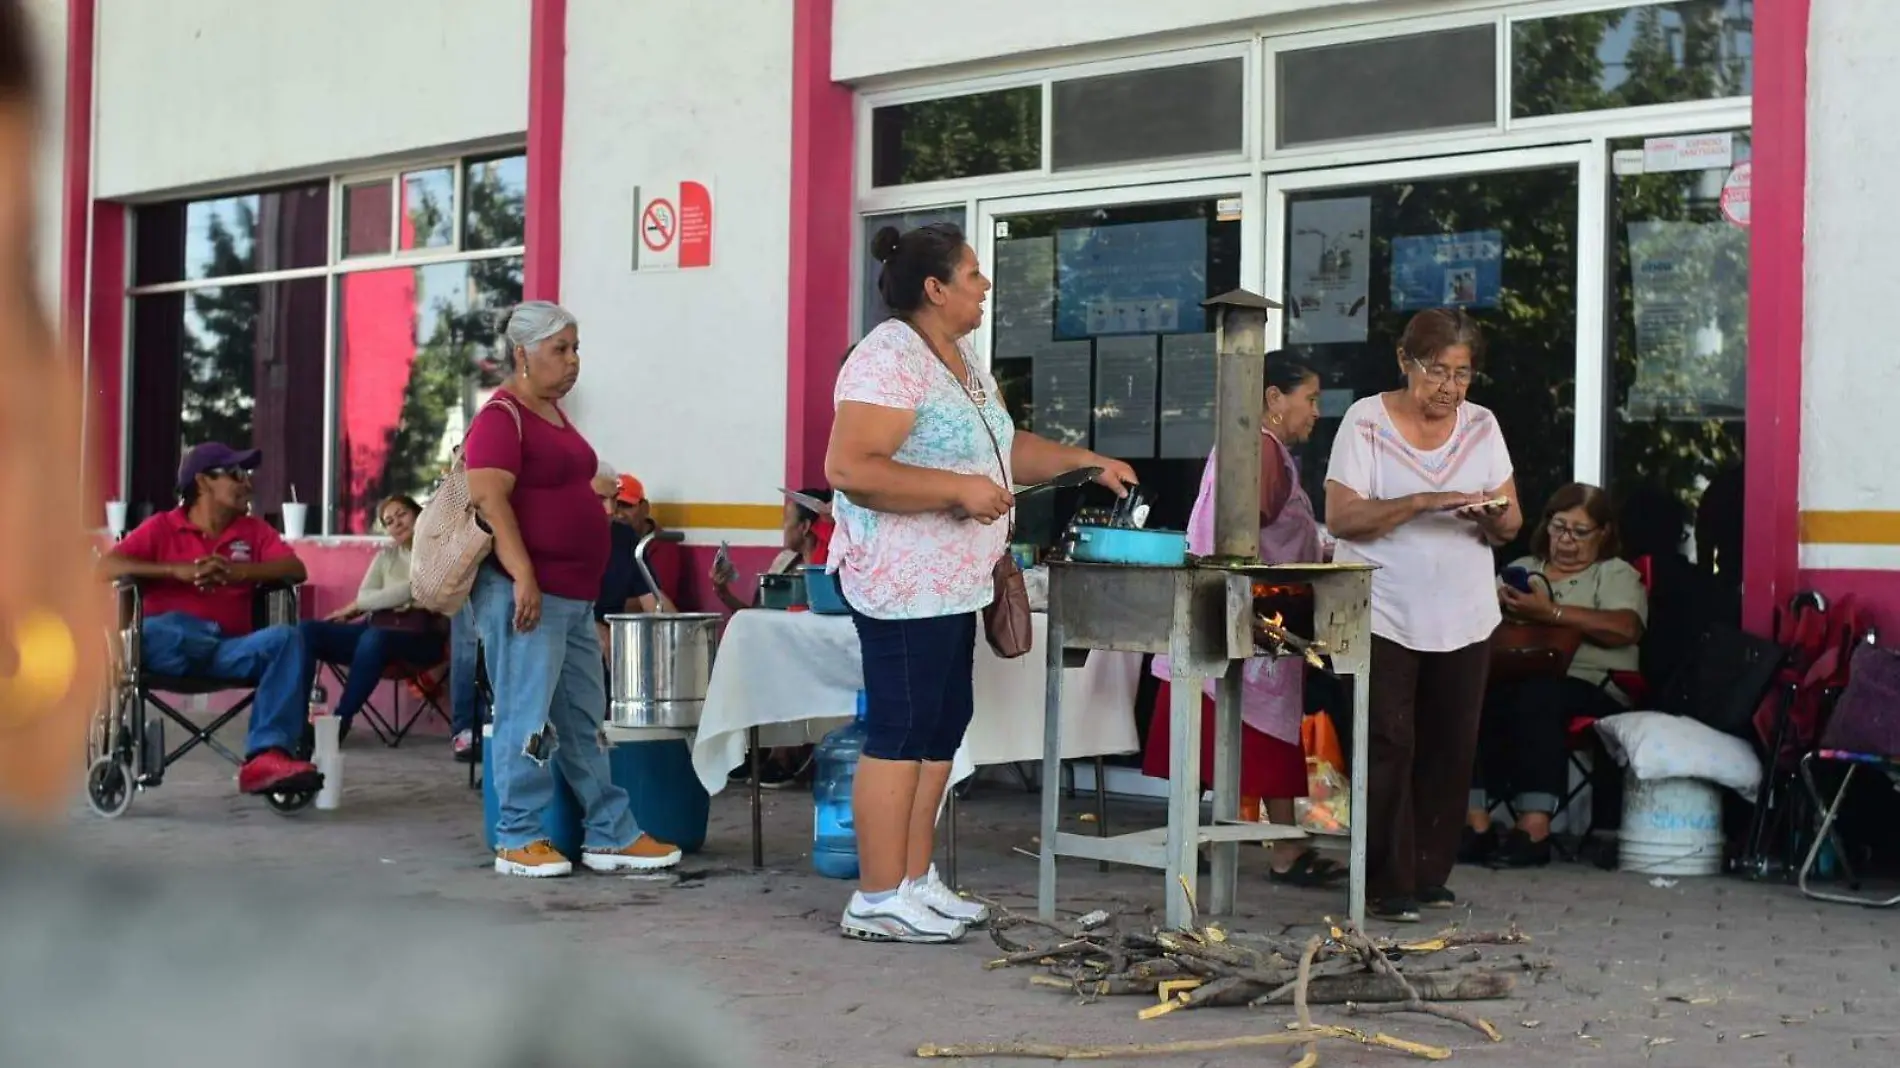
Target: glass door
1515	238
1096	332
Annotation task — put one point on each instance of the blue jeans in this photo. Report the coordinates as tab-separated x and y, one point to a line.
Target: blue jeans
548	692
366	651
465	643
274	658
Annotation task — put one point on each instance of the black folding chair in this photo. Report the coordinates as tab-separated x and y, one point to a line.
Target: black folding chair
1859	735
125	750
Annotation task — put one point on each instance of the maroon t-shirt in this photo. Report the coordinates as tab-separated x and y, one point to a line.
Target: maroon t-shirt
561	519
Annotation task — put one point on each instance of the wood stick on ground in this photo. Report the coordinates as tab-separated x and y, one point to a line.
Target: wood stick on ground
1413	1003
1055	1052
1305	1014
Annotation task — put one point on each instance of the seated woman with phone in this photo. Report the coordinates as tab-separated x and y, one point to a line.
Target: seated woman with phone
1583	610
803	510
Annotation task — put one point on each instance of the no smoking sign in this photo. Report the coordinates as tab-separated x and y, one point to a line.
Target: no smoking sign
673	226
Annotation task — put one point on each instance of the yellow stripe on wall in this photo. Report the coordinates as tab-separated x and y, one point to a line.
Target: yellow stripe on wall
1850	528
685	516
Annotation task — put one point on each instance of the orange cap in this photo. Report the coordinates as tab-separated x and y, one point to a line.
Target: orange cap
632	491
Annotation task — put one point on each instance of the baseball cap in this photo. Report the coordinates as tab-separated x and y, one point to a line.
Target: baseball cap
632	490
212	455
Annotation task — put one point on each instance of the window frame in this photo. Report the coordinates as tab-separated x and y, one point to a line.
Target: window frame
332	271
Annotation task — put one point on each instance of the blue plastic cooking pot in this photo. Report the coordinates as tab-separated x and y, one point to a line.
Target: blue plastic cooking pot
1130	545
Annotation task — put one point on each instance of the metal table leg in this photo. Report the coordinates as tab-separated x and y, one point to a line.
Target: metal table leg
1226	866
1051	771
1184	795
1361	769
758	803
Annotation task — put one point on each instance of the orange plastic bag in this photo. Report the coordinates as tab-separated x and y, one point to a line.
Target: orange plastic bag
1320	741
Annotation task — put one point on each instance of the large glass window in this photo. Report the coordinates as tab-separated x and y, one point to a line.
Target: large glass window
1363	259
1630	57
241	364
416	355
245	361
1194	109
1443	80
1679	335
1098	337
996	132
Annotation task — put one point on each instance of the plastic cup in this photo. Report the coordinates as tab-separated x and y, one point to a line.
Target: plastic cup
295	513
115	518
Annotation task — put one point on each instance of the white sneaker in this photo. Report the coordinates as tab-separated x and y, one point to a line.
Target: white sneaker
932	893
898	918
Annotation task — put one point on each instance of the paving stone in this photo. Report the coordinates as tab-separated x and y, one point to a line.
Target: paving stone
1792	981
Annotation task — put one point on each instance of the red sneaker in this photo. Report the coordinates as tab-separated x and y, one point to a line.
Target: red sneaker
274	771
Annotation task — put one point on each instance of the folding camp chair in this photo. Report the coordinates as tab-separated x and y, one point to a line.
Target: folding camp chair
1862	733
125	748
393	727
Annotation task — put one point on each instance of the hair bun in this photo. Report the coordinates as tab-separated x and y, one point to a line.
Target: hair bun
884	244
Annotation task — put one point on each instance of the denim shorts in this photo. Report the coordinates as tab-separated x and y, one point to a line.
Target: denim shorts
919	692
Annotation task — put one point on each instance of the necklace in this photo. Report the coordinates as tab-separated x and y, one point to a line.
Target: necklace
972	381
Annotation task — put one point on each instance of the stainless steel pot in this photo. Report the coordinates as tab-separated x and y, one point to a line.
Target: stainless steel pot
659	666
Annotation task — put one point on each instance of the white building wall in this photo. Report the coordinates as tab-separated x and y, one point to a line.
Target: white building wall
683	379
1851	365
49	33
201	91
878	38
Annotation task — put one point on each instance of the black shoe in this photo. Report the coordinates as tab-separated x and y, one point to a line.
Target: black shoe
775	776
1395	909
1518	851
1477	847
343	730
1437	897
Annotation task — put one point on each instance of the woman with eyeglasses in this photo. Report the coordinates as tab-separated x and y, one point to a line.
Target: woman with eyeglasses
1420	484
1572	579
379	627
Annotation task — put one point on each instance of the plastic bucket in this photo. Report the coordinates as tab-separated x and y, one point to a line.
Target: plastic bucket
821	590
1671	827
561	822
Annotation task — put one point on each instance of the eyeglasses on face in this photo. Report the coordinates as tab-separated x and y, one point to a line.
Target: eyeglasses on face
1562	530
1439	374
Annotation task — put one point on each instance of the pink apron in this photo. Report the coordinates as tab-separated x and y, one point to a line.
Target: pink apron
1272	692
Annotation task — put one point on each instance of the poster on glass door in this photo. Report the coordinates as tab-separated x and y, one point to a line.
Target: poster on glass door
1328	270
1462	270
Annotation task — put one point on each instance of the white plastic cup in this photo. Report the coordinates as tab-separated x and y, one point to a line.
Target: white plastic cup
115	518
295	512
331	795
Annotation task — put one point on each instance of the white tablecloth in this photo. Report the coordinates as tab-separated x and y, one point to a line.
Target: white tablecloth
796	675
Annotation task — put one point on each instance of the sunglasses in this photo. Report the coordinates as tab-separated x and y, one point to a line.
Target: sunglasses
236	474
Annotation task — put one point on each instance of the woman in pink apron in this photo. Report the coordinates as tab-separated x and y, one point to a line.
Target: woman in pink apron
1272	762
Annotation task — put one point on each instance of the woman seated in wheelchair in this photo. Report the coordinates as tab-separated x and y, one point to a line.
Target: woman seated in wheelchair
199	567
1573	599
379	627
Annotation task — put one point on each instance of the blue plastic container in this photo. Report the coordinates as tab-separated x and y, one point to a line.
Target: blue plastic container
1130	545
834	844
821	592
561	822
668	801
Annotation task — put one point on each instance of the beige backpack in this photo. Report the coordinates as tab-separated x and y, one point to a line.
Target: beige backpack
451	542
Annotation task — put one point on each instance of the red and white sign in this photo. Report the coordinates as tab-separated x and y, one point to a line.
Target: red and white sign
1735	194
1692	152
673	226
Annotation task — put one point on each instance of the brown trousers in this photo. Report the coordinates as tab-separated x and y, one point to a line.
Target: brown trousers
1425	712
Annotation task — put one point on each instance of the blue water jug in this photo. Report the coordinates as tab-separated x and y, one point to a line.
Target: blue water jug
834	844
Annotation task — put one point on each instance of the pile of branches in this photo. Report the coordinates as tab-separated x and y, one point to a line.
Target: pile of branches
1205	967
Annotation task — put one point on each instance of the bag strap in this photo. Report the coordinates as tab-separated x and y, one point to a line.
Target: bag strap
1002	470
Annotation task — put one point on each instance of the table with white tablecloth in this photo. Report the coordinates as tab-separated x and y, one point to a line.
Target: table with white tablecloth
795	676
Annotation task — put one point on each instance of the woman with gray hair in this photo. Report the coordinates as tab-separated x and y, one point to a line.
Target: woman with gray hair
530	473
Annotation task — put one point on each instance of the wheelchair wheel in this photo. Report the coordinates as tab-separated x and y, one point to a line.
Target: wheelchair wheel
289	804
108	787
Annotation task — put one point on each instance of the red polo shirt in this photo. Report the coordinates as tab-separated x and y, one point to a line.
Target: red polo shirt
170	538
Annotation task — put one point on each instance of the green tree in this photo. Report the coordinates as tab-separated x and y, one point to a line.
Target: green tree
218	370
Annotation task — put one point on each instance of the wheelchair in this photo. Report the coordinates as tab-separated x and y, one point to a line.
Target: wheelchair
125	747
